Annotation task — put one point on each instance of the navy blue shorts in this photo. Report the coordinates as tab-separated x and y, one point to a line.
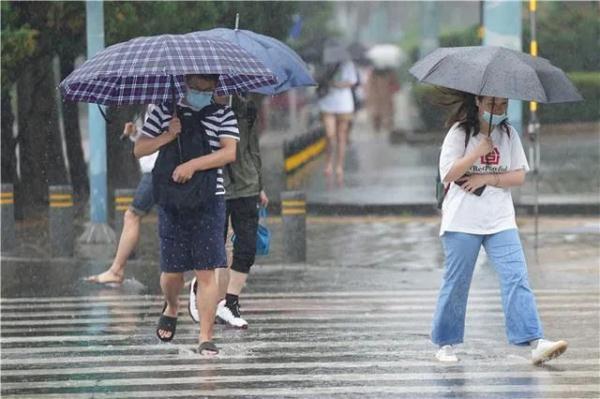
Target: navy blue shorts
192	240
143	200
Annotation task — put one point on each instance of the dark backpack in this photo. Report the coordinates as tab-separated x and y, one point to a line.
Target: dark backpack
440	188
193	143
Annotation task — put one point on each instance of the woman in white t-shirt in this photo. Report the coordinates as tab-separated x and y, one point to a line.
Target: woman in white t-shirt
471	219
337	109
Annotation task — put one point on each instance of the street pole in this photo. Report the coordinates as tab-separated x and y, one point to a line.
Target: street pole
97	231
429	38
533	127
503	27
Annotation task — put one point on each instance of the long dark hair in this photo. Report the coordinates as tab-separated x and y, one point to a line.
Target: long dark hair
462	108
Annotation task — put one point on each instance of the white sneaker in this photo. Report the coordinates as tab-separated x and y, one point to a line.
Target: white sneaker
193	304
446	354
547	350
230	316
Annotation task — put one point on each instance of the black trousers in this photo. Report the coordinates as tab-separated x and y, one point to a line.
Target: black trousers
243	213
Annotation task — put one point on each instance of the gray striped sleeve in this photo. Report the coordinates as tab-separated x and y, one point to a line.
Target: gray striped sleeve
157	121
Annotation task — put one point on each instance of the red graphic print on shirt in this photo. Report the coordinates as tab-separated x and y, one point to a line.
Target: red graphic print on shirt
493	158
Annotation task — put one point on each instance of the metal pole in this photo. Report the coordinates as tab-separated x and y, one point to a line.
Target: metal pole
429	31
237	26
96	123
533	128
97	231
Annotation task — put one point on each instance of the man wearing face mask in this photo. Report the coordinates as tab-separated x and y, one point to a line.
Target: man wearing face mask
191	237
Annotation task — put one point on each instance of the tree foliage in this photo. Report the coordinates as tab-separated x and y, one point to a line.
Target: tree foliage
34	33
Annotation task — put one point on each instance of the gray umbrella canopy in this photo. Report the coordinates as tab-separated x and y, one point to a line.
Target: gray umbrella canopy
496	71
335	52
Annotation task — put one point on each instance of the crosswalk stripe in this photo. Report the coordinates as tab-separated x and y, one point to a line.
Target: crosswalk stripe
192	358
487	319
259	342
324	308
267	367
493	299
116	326
339	377
587	317
105	347
313	392
282	295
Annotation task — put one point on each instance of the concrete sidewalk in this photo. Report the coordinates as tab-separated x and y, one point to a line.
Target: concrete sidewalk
391	175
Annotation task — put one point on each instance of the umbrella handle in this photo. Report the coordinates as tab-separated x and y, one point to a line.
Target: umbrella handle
174	113
491	116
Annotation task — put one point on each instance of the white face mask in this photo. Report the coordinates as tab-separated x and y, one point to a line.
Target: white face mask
496	118
198	99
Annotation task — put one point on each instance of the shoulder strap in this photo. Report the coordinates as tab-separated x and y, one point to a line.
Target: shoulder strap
467	137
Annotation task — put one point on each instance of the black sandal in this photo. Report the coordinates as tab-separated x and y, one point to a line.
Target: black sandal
208	348
166	323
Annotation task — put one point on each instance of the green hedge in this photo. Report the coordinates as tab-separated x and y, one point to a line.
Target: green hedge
588	110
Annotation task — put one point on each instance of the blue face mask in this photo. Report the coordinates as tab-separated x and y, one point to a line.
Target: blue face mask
496	119
198	99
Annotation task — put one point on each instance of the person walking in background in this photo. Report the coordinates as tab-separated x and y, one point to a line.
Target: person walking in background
336	104
382	85
142	204
479	164
244	195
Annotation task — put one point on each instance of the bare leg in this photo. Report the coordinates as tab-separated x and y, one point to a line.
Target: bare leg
237	282
222	273
342	135
329	124
223	276
207	302
127	243
171	285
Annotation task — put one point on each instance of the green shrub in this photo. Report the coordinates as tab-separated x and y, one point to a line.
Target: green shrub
588	110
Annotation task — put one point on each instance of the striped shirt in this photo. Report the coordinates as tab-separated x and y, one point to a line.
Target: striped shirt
220	124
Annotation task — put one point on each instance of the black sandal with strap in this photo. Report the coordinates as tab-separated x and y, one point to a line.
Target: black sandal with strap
208	348
166	323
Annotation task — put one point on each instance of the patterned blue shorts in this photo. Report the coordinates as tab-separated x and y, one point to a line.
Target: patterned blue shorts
192	240
143	200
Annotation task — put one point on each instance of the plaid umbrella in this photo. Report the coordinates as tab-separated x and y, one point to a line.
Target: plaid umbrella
139	71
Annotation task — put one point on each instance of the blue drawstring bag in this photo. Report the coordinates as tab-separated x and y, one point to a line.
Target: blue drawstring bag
263	234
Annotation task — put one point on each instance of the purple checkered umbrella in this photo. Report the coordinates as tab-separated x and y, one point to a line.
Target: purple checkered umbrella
139	71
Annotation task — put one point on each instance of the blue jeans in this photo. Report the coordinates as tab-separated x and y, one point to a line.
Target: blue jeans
504	250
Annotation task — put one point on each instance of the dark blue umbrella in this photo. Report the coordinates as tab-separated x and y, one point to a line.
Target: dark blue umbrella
139	71
290	70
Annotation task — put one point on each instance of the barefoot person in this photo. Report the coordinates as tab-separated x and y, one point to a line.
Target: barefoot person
337	108
471	161
191	223
142	204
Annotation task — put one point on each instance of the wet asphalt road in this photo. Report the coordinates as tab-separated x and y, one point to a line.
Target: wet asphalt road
352	322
